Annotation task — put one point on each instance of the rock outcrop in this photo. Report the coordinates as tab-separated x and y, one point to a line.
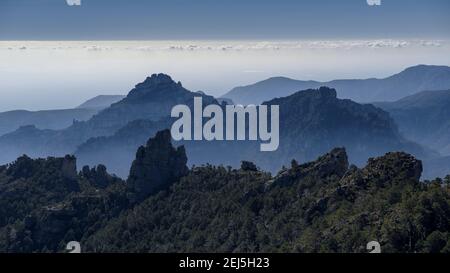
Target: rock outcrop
334	163
157	166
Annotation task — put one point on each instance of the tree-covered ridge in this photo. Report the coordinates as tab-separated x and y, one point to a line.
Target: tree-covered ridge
322	206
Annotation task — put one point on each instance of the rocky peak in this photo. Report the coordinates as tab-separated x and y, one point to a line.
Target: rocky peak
69	167
157	166
26	167
320	95
154	87
397	166
97	176
248	166
327	92
156	80
332	163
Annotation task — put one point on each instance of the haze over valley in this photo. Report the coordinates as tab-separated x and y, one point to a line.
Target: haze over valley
63	74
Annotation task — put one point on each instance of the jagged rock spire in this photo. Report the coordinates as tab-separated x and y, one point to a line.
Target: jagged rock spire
157	166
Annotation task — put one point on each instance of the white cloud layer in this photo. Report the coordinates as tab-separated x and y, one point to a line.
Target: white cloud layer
73	2
224	46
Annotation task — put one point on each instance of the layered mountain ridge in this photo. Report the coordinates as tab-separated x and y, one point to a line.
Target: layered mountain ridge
408	82
312	122
152	99
424	118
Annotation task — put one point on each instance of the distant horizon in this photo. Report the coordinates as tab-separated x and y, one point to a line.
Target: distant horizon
64	74
223	95
220	95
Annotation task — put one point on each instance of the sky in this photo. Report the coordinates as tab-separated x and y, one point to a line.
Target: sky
222	19
55	56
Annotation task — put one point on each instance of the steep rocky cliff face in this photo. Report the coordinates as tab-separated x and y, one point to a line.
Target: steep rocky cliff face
157	166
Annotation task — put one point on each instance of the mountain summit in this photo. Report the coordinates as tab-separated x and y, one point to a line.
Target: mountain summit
153	87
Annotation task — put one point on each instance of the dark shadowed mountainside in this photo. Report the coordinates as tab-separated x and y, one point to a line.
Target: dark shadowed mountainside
312	122
408	82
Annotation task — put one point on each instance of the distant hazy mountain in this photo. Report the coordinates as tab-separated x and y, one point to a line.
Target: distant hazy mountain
408	82
311	123
48	119
276	87
424	118
101	101
55	119
152	99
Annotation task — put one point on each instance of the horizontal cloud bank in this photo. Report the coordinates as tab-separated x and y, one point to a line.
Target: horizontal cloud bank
221	45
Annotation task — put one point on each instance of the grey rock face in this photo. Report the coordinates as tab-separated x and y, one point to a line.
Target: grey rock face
157	166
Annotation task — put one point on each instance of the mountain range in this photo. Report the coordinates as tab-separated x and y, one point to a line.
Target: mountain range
55	119
408	82
101	102
312	122
48	119
424	118
152	99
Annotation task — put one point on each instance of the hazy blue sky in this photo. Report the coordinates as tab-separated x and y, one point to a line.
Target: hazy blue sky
222	19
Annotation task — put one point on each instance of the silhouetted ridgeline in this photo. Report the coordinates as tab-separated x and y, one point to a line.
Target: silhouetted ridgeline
49	119
322	206
101	102
408	82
